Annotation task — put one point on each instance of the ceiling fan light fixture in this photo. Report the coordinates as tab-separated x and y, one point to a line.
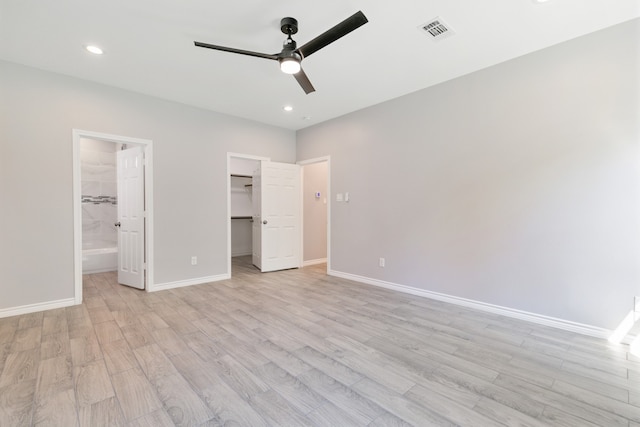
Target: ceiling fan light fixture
289	65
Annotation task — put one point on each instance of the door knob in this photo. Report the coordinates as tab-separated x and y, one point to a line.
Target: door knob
117	224
264	222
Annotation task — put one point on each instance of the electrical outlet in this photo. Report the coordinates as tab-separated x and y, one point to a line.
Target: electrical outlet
381	262
194	260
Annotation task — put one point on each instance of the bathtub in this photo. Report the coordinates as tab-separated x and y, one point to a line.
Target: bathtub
98	257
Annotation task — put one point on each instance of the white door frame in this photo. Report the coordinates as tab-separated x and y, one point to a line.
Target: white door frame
77	205
238	156
303	163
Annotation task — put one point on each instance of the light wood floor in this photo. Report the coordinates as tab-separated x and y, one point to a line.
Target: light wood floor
299	348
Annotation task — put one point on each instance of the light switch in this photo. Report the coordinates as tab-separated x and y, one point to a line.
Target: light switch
346	197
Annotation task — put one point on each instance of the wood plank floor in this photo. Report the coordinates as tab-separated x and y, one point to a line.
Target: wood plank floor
300	348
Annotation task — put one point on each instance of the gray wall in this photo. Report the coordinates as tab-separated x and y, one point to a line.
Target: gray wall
517	185
314	211
38	111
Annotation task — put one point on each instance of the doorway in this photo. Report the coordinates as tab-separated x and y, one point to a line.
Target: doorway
315	236
92	193
316	200
240	168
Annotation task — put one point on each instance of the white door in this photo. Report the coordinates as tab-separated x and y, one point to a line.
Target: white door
276	222
256	225
130	223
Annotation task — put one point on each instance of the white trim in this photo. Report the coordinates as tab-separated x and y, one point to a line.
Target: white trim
32	308
100	270
314	262
241	253
310	162
540	319
77	219
239	156
189	282
149	226
77	134
248	156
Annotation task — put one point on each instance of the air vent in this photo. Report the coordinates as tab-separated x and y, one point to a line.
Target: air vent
437	29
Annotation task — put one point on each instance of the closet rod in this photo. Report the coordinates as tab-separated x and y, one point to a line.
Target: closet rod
241	176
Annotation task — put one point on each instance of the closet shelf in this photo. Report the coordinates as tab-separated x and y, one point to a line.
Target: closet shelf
241	217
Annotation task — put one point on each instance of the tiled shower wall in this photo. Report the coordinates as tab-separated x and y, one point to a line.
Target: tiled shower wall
99	208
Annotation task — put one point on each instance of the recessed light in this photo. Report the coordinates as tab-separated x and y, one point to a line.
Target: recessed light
287	108
94	49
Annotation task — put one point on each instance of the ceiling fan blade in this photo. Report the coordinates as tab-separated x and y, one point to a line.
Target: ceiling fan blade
342	29
304	82
233	50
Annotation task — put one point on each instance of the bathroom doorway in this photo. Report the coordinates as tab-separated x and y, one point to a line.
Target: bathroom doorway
98	237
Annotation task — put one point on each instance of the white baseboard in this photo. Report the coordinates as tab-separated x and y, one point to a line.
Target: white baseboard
314	262
100	270
32	308
241	253
540	319
189	282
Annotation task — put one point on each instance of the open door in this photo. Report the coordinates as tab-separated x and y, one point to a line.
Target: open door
256	225
276	216
130	169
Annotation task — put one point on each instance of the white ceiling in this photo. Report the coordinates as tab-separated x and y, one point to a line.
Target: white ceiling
149	47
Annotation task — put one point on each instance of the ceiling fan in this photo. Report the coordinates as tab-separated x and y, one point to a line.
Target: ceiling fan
291	56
